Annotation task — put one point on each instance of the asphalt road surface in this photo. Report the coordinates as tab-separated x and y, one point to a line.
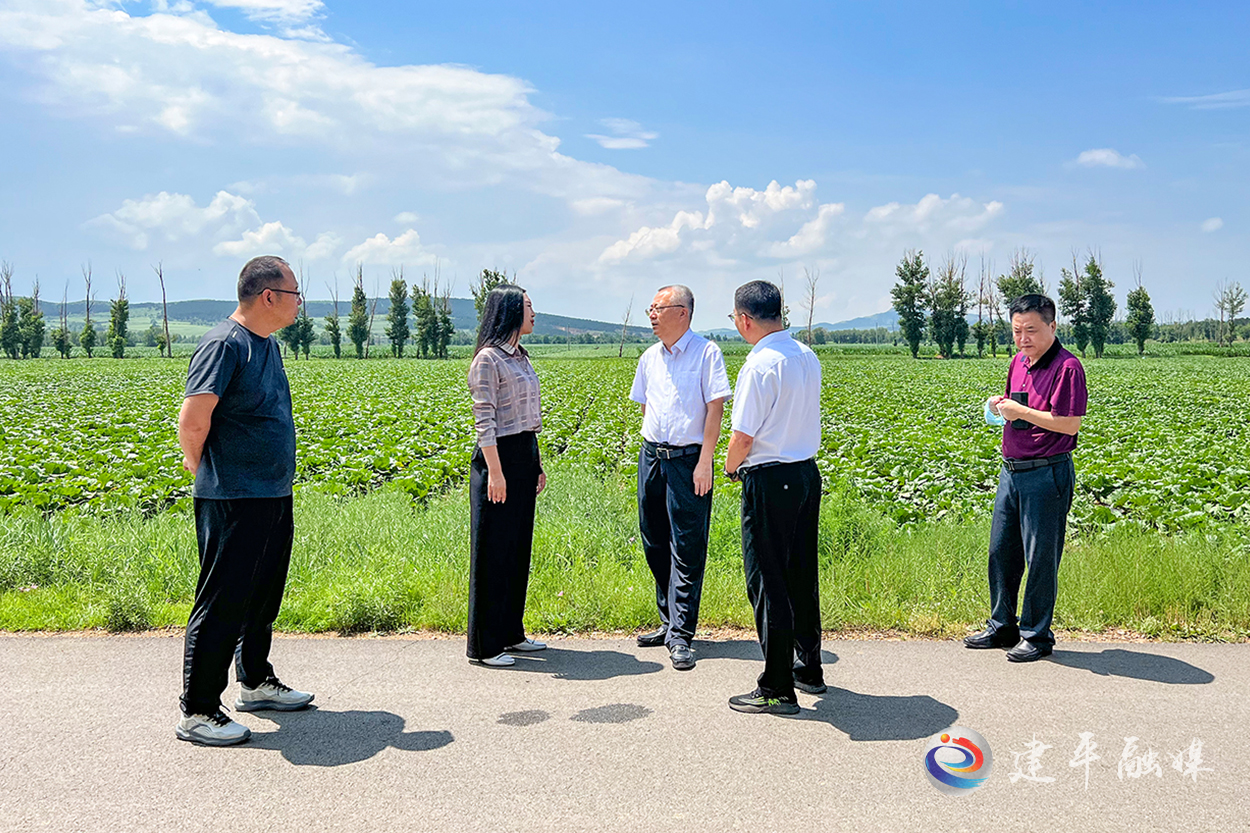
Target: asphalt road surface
597	734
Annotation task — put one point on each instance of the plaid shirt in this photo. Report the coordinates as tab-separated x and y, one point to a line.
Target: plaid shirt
504	388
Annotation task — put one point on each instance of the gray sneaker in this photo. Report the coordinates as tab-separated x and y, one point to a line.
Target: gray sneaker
211	729
271	694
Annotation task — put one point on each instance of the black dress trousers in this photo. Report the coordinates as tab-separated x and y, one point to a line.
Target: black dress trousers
780	522
674	523
501	536
245	551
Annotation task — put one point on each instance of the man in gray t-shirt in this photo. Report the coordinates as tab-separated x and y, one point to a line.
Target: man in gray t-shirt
238	436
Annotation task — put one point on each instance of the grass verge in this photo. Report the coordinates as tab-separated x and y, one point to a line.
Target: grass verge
381	563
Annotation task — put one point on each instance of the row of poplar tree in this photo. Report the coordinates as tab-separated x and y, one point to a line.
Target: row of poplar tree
23	329
939	303
428	303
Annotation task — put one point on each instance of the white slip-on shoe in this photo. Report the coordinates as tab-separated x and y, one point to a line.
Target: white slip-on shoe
271	694
497	661
527	646
211	729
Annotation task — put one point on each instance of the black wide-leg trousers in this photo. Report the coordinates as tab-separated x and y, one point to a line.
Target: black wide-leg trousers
501	536
780	523
674	523
245	551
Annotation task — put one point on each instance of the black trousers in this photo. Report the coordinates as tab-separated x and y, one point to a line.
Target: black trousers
245	550
780	523
673	522
501	536
1029	527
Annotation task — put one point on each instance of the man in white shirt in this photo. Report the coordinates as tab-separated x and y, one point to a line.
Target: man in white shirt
776	434
682	386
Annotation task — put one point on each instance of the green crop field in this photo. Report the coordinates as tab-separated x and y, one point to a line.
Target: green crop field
94	528
1163	445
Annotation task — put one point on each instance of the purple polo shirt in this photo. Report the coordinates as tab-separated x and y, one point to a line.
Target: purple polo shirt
1055	383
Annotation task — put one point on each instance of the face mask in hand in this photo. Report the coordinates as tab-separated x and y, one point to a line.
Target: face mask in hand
992	418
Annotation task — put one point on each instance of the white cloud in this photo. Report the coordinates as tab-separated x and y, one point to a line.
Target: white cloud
281	10
229	224
812	235
648	242
174	217
958	214
1212	224
180	74
406	218
1215	101
751	207
627	134
406	249
1108	158
592	206
270	238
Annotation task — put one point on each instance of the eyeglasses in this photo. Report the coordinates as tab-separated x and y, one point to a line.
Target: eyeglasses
733	316
284	291
653	309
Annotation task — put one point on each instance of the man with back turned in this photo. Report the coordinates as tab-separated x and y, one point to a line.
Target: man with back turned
776	434
1043	406
238	436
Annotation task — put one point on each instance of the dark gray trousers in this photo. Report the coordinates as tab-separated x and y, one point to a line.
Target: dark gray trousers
674	522
1030	522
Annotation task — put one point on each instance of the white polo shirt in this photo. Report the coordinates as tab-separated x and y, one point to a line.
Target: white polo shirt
676	386
777	401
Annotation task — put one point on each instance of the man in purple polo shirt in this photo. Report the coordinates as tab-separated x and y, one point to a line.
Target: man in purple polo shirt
1036	483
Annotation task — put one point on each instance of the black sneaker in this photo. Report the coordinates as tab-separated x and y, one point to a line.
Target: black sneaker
817	687
757	703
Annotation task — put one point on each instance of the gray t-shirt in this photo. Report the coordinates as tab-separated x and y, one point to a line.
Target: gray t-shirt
250	450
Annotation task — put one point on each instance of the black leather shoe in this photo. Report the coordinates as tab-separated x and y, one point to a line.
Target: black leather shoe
991	639
1027	651
652	640
682	657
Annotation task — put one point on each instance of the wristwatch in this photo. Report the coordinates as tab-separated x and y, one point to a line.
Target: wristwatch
733	476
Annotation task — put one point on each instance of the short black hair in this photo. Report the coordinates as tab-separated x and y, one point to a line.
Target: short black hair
759	299
1040	304
259	274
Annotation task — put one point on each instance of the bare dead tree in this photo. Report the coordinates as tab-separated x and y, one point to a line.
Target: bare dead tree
6	282
629	311
86	276
373	308
160	276
811	282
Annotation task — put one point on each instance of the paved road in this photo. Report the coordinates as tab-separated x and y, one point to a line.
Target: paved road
601	735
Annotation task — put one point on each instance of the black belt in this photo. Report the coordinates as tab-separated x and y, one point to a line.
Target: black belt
668	452
1036	463
760	466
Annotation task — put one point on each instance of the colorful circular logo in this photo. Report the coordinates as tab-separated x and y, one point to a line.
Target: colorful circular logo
957	761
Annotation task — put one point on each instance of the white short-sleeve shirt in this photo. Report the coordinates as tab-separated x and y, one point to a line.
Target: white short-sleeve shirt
676	386
777	401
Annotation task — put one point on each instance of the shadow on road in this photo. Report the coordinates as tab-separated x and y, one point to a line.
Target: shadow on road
865	717
584	665
747	649
319	737
1140	666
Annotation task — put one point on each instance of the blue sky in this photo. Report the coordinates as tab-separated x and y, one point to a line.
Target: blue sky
599	153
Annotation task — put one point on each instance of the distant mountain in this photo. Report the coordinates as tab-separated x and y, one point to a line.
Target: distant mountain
208	313
887	319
